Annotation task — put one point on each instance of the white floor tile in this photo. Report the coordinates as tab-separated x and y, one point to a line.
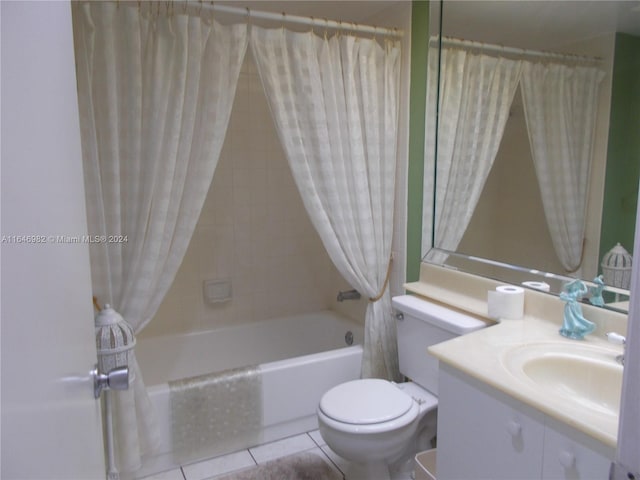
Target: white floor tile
335	458
218	466
315	435
175	474
282	448
318	451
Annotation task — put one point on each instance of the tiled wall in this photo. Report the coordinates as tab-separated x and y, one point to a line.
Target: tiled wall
253	230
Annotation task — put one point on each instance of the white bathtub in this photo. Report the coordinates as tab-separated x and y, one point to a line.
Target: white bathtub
299	358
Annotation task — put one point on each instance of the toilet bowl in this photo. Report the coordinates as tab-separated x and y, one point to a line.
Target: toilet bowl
371	422
378	425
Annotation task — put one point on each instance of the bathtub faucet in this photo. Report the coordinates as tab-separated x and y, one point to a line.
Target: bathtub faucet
348	295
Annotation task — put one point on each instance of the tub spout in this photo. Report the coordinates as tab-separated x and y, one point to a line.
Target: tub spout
348	295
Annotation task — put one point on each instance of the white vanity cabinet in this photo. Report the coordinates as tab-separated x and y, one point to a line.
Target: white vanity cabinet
480	437
566	457
486	434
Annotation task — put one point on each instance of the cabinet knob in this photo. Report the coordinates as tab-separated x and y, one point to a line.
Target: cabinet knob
514	428
567	459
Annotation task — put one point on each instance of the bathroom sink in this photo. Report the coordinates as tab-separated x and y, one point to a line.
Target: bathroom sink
586	375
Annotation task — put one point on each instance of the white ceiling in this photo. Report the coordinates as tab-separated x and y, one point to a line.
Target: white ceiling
551	23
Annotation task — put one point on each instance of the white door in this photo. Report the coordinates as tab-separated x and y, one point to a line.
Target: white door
51	424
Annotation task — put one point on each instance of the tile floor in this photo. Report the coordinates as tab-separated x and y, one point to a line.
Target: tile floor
215	467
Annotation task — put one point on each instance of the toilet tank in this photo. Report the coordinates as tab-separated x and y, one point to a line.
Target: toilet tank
422	324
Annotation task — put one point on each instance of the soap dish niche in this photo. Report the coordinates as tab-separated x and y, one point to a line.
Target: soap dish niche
216	291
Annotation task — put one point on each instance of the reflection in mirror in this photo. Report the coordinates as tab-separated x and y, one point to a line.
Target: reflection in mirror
524	109
614	298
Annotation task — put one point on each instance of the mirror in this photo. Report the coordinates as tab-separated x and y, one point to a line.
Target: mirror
502	212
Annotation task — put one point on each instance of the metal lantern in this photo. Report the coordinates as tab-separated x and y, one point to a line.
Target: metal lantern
114	339
616	267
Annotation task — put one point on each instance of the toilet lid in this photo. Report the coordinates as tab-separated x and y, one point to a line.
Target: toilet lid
364	402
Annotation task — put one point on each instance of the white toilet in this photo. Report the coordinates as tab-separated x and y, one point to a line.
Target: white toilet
379	425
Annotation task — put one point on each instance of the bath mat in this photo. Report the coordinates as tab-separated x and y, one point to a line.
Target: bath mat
301	466
216	413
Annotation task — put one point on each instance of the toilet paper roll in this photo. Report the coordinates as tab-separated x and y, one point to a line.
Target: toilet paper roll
543	286
506	302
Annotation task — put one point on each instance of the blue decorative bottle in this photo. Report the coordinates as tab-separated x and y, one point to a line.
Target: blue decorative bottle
575	325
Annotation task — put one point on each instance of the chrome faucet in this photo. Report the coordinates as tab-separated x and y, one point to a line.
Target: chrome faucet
618	340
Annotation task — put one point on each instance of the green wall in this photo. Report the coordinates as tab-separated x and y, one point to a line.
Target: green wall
623	153
417	100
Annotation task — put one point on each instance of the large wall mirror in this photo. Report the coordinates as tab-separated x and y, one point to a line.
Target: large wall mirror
533	174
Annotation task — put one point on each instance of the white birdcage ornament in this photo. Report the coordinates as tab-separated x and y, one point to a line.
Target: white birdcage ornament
616	267
114	339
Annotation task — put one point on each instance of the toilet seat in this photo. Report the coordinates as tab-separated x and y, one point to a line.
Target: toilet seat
367	406
365	402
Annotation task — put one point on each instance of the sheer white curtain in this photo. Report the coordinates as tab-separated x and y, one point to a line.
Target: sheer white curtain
155	95
335	105
476	92
560	105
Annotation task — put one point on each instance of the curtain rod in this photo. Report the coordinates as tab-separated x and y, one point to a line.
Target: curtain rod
284	17
514	50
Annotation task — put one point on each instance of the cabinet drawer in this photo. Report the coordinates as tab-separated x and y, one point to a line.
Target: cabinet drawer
481	437
566	459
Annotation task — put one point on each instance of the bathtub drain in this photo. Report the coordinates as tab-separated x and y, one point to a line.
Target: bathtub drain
348	337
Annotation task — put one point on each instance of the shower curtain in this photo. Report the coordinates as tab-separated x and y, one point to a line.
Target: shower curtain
335	105
560	106
476	92
155	91
155	95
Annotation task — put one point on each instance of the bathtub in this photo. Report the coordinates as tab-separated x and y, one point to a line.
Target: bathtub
298	358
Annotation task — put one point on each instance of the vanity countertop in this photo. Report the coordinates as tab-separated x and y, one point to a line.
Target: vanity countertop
487	354
483	355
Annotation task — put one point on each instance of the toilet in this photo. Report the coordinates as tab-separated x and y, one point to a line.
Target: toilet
378	425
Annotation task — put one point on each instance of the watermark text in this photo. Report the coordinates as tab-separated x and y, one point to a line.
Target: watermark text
62	239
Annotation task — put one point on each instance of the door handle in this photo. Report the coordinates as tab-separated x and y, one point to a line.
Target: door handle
116	379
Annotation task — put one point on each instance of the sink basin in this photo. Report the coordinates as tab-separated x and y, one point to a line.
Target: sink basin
586	375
